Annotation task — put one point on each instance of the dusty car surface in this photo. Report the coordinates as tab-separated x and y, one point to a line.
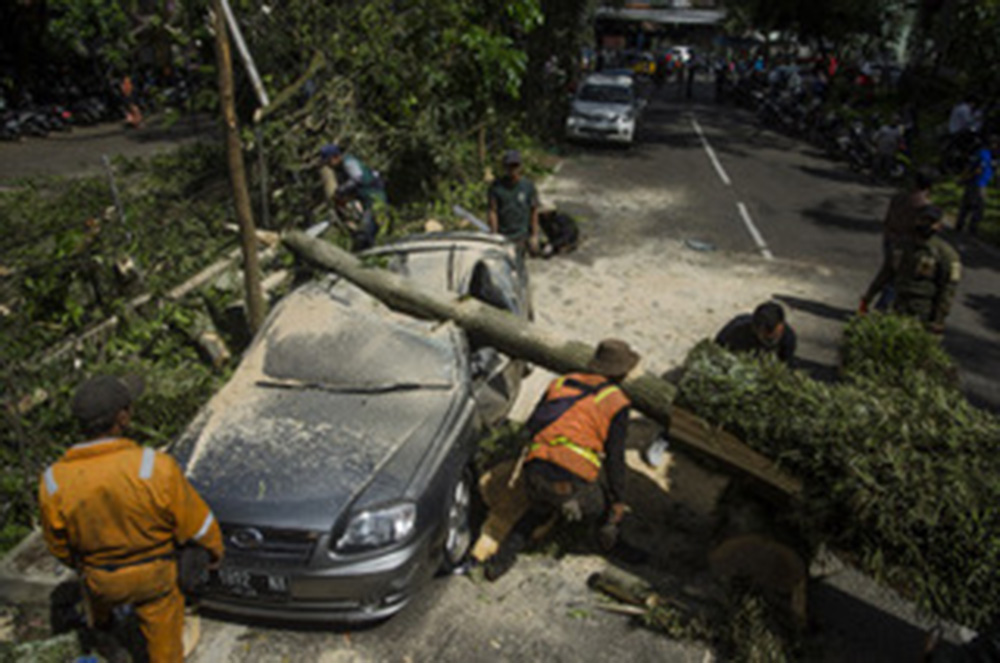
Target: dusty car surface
337	458
606	108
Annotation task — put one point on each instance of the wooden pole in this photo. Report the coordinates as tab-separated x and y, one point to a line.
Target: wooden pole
517	338
237	173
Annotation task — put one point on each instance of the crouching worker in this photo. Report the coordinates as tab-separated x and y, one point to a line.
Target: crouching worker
578	429
117	512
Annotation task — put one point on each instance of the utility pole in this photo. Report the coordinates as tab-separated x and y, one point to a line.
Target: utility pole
237	173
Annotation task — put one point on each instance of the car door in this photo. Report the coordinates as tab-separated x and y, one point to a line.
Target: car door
496	377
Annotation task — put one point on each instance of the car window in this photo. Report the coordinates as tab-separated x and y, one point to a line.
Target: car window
494	282
320	339
614	94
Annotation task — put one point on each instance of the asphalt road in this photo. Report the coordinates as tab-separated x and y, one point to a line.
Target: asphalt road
747	190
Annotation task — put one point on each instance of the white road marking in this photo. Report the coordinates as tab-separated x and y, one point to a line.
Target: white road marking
757	237
711	153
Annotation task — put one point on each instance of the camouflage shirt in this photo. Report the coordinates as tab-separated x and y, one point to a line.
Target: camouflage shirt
925	274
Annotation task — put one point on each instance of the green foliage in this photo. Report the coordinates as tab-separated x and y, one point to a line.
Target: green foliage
752	632
93	28
894	350
904	477
65	237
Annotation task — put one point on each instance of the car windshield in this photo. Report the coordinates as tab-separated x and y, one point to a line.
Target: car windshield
614	94
318	341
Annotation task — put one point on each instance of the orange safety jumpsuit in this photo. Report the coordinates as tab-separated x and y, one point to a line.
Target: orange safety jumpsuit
116	512
575	441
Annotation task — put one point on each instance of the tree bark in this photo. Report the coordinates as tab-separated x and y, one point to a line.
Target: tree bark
517	338
237	173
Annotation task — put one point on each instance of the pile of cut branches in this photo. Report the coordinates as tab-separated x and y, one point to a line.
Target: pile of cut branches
902	471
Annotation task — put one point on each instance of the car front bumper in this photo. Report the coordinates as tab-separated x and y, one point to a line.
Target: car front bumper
358	591
601	130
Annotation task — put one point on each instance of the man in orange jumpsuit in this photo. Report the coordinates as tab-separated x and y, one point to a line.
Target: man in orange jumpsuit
116	513
578	435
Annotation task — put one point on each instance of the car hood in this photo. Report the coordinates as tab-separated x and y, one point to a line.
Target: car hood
600	109
290	452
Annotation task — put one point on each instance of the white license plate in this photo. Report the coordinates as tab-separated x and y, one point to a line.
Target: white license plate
244	582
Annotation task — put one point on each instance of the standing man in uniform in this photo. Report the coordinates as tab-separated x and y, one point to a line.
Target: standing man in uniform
578	430
925	272
764	332
900	223
117	512
356	181
513	203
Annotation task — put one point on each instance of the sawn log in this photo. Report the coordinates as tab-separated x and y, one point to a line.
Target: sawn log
515	337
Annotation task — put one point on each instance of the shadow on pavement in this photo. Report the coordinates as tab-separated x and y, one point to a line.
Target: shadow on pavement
816	308
859	631
987	307
827	217
836	175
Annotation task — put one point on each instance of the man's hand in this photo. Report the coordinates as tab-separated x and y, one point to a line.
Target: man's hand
863	307
533	245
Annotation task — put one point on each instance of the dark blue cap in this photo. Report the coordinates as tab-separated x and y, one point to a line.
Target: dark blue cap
329	151
512	158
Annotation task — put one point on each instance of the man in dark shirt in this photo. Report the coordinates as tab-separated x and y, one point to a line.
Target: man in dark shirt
513	202
764	332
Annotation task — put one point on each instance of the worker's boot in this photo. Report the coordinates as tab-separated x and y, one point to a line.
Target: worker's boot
504	559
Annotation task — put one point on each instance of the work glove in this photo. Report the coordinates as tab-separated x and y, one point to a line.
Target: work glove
863	307
572	511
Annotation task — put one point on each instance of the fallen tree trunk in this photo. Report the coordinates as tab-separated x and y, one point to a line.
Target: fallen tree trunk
517	338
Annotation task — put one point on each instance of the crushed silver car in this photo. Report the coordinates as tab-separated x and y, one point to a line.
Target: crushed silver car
338	457
606	108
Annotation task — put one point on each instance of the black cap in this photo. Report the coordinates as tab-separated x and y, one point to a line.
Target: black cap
100	398
512	158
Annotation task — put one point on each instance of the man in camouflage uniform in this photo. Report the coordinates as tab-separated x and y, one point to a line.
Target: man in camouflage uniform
925	272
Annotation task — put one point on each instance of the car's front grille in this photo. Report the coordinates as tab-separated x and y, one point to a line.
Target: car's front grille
263	544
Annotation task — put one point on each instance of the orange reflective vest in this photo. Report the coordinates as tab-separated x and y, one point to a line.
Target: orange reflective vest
110	503
575	441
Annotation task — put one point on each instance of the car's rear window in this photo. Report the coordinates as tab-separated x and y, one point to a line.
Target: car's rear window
614	94
355	342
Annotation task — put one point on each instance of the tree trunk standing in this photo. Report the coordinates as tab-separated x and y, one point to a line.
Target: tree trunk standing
237	173
517	338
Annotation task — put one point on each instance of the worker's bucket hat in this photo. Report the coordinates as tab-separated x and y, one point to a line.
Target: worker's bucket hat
613	358
102	397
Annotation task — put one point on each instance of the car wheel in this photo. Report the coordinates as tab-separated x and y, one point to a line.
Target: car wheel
459	523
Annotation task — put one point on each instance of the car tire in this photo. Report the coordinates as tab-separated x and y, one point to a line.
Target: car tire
460	522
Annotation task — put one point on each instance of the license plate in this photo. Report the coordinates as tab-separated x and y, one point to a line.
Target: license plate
244	582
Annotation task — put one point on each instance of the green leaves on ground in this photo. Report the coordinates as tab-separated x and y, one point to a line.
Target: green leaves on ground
902	472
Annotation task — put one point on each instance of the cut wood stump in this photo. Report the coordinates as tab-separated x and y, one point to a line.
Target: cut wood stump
506	502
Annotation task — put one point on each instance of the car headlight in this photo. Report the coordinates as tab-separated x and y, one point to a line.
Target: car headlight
375	528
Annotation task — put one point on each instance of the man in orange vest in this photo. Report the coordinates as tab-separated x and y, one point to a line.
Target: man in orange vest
117	512
578	430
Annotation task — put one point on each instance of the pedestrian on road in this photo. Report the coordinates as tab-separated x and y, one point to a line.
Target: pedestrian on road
763	332
513	205
117	513
356	182
578	432
977	178
900	223
925	272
